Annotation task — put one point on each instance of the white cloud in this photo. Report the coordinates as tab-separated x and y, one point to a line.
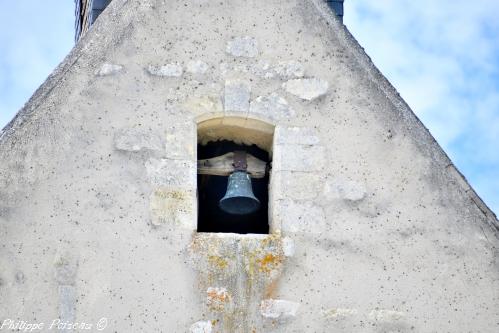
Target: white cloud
443	57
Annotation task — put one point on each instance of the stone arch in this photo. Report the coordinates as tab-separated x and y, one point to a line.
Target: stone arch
241	130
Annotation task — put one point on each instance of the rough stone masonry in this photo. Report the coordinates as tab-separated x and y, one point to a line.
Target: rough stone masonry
372	228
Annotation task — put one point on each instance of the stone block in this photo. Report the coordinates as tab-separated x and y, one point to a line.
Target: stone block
205	107
181	140
197	67
294	157
289	69
242	47
107	69
288	247
237	97
307	89
383	315
272	107
171	172
278	308
67	303
168	70
20	278
133	139
205	326
173	206
389	320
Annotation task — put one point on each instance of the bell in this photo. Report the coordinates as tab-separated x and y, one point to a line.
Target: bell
239	198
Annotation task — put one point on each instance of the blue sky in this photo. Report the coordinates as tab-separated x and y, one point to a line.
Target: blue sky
442	56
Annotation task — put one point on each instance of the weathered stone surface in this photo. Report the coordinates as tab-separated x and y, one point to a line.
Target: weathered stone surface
173	206
168	70
278	308
197	67
202	327
296	135
300	216
133	139
243	47
307	89
272	107
344	189
107	69
237	96
298	158
170	172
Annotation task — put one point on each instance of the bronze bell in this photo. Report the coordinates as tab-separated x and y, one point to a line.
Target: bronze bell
239	198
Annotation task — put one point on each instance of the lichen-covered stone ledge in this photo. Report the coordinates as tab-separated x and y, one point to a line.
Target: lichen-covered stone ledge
238	272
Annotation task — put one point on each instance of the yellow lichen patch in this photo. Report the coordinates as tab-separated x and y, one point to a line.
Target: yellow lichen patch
217	261
269	262
217	298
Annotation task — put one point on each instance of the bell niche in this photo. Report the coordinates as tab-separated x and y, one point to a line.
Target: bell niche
233	177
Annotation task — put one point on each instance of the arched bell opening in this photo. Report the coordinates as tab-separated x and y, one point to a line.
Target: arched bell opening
233	176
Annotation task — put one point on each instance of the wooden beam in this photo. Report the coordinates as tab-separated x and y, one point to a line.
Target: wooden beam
222	166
